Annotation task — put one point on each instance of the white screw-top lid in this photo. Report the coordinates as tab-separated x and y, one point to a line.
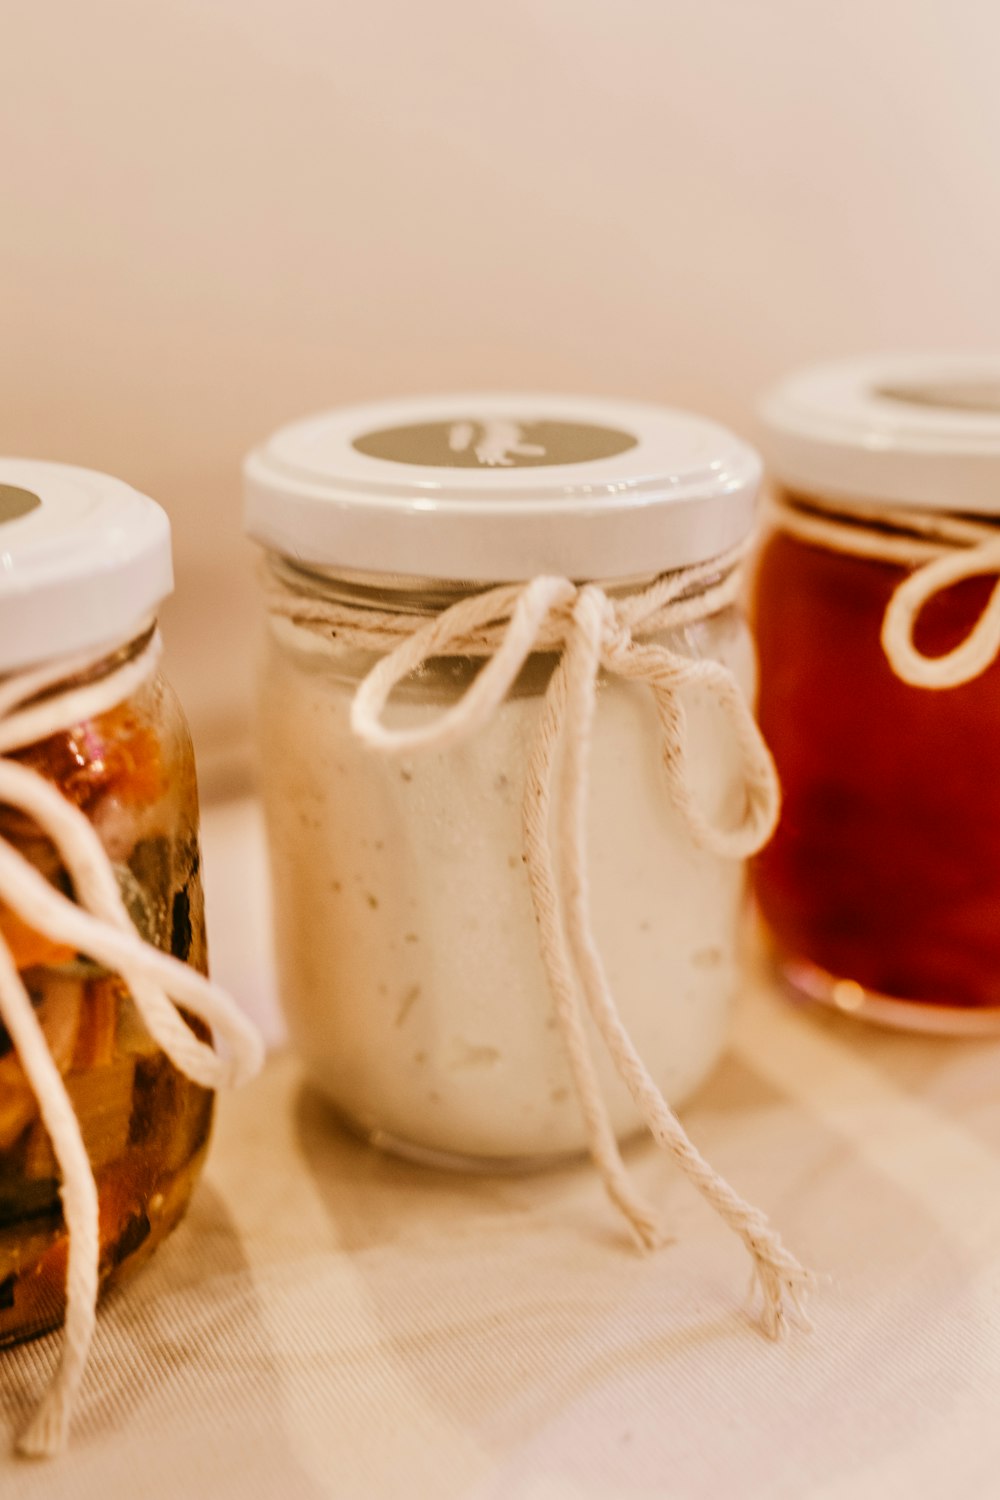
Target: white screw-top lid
501	488
84	560
912	430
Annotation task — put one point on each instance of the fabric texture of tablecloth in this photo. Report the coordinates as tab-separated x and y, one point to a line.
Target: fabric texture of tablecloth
331	1323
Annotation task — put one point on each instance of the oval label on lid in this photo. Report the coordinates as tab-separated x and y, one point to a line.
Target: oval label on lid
954	395
494	443
15	502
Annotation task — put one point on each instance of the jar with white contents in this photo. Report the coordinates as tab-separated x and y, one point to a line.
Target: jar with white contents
510	771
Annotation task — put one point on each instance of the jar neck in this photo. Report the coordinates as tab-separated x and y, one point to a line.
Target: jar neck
877	514
101	664
878	532
426	597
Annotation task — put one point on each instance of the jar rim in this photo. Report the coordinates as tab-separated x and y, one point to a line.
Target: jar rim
502	488
86	560
890	430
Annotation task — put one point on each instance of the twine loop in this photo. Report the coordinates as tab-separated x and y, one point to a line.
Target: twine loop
941	550
588	630
33	706
980	648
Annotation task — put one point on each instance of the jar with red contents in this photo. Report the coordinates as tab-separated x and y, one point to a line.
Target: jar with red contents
877	614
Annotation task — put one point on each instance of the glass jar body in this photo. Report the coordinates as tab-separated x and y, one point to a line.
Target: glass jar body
407	946
881	887
145	1126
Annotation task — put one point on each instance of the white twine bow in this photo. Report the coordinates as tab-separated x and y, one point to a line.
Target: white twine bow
942	550
591	631
96	924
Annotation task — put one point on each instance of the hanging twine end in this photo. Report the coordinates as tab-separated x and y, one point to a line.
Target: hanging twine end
782	1286
648	1230
47	1432
645	1224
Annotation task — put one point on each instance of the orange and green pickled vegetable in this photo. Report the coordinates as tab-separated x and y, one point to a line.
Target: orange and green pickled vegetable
145	1126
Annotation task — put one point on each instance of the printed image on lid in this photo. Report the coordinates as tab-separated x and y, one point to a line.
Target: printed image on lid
84	561
908	430
501	488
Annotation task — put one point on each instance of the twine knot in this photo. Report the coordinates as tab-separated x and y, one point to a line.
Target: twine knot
588	630
33	706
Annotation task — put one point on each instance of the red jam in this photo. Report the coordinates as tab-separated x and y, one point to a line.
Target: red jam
885	869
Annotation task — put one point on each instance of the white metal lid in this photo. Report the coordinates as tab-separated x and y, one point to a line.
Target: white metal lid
502	487
918	430
84	559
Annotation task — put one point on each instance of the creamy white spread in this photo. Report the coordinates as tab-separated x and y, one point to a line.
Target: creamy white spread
407	946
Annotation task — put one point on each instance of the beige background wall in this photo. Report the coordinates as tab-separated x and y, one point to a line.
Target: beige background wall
219	214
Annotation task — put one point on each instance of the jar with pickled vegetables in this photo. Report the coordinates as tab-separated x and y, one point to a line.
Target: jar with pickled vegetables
102	933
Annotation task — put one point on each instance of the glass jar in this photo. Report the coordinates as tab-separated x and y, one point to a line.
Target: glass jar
407	942
88	555
881	888
407	949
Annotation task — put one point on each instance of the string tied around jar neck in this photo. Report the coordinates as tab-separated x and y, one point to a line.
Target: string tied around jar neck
941	550
590	630
33	706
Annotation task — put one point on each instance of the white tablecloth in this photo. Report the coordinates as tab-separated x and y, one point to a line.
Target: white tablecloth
329	1323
